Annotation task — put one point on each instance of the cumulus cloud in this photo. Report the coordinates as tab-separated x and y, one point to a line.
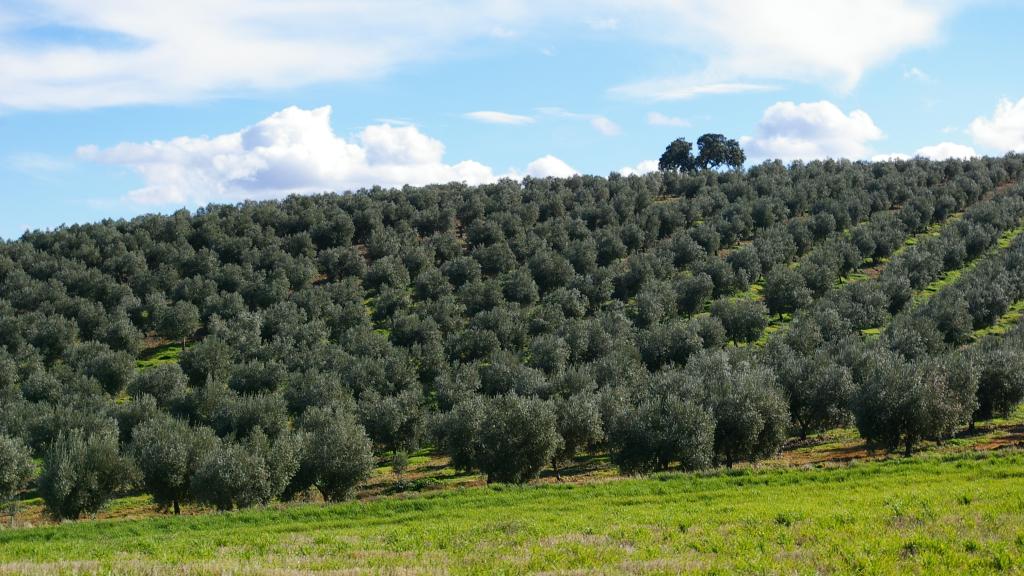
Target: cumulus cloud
940	151
549	166
1004	131
294	151
890	157
659	119
644	167
493	117
945	151
813	130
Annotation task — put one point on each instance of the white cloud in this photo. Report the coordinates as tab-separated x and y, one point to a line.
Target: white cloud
120	52
659	119
599	123
916	73
644	167
890	157
946	150
190	49
940	151
605	126
826	41
293	151
667	89
493	117
1004	131
549	166
807	131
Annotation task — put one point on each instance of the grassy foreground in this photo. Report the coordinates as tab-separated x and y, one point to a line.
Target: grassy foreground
950	514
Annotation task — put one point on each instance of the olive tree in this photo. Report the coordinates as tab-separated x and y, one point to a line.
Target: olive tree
458	431
818	388
393	422
337	454
785	291
1001	384
112	369
578	422
166	383
81	472
518	437
904	402
178	321
243	474
16	470
749	409
743	319
168	452
659	430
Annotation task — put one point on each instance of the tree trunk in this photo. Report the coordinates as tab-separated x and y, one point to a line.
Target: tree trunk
554	466
177	508
910	447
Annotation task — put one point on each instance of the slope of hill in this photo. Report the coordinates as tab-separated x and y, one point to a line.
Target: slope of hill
269	351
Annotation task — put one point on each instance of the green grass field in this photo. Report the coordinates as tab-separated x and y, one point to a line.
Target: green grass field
939	513
166	353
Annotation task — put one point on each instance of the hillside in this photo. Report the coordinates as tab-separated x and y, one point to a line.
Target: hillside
263	352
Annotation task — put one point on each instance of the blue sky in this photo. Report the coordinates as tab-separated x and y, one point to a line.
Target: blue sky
114	108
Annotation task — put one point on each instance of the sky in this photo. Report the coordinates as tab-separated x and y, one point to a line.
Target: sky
115	108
